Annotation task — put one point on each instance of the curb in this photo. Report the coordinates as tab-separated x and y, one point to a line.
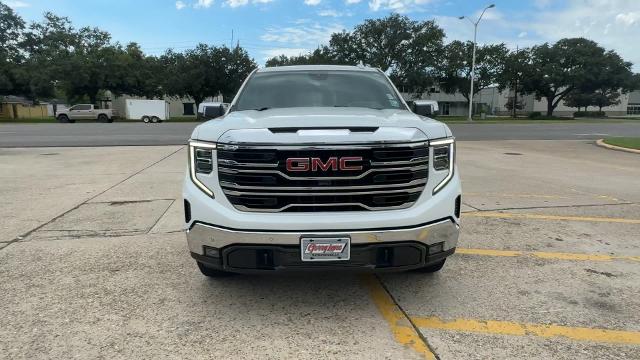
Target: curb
601	143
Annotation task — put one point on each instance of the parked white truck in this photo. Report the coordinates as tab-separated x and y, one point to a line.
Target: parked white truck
318	168
84	112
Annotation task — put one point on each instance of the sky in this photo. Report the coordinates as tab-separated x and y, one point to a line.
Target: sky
268	28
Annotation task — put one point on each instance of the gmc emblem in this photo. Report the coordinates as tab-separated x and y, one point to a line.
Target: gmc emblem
314	164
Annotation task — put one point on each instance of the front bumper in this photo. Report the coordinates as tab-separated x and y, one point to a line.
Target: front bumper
376	249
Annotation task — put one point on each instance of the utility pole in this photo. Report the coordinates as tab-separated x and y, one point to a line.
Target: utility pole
515	90
473	59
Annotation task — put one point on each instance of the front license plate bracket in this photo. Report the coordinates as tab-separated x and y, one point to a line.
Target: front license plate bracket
315	248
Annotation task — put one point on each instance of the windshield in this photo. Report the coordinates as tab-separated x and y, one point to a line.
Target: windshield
321	88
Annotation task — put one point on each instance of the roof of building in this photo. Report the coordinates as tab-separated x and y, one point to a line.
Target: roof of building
316	68
11	99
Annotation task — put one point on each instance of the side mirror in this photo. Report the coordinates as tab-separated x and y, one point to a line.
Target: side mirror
423	110
212	112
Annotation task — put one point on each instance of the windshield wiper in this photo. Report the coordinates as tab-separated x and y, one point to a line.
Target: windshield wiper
262	108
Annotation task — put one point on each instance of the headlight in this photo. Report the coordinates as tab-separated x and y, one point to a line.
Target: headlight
201	162
443	159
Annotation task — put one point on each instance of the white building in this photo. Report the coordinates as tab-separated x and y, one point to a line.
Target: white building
494	102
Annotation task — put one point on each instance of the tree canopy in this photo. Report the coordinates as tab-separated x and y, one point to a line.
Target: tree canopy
51	58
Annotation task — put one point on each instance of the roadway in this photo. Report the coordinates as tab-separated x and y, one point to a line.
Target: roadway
123	134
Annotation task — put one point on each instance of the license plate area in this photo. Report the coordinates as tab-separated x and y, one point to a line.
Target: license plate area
314	248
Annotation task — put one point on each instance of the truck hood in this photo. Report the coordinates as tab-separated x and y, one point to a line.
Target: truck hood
320	125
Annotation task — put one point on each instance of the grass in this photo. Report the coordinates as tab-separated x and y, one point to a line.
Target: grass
27	120
526	120
626	142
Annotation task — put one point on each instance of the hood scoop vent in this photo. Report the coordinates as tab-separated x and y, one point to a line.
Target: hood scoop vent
334	130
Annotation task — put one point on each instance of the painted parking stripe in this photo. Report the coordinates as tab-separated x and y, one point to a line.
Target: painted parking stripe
545	255
540	330
504	215
403	331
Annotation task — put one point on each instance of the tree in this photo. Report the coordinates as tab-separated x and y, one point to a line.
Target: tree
236	65
510	78
205	71
579	100
612	78
405	49
456	64
49	45
556	70
408	51
320	56
11	30
513	104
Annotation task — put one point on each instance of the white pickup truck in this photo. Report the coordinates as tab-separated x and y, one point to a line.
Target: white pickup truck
84	112
321	168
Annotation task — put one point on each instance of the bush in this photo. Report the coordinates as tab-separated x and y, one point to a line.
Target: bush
595	114
535	115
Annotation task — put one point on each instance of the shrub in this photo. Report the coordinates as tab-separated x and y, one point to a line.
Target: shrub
535	115
595	114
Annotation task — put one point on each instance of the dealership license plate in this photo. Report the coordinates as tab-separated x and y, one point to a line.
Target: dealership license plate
325	249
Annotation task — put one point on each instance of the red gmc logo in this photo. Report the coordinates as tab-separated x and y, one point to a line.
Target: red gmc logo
314	164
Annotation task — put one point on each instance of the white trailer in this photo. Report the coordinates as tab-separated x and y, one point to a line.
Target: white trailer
147	110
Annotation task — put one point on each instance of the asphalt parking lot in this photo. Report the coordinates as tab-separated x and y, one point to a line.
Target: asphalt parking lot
94	264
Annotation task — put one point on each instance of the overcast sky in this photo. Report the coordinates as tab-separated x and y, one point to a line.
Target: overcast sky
271	27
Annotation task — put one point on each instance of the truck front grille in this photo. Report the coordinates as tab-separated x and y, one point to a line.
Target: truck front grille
388	176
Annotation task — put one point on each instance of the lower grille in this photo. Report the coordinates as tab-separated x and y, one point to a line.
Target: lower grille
318	178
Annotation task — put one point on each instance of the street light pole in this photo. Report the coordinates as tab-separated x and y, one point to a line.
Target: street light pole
473	58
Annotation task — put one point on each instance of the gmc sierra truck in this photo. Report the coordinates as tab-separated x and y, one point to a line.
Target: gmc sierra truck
319	168
84	112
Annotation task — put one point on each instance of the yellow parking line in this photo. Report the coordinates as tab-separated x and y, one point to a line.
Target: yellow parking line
403	332
545	255
504	215
517	329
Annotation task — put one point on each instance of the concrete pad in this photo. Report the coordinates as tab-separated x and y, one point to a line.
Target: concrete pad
468	345
143	297
551	236
145	186
39	184
104	219
161	181
525	290
172	220
547	168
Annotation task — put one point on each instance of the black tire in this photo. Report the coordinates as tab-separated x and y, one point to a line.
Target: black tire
213	273
146	119
155	119
433	267
63	119
103	118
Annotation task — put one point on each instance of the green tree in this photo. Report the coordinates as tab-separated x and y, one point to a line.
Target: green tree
456	63
11	30
409	51
320	56
510	78
205	71
556	70
612	78
579	100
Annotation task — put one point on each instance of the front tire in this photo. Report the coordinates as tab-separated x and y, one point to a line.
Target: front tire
146	119
212	273
433	267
